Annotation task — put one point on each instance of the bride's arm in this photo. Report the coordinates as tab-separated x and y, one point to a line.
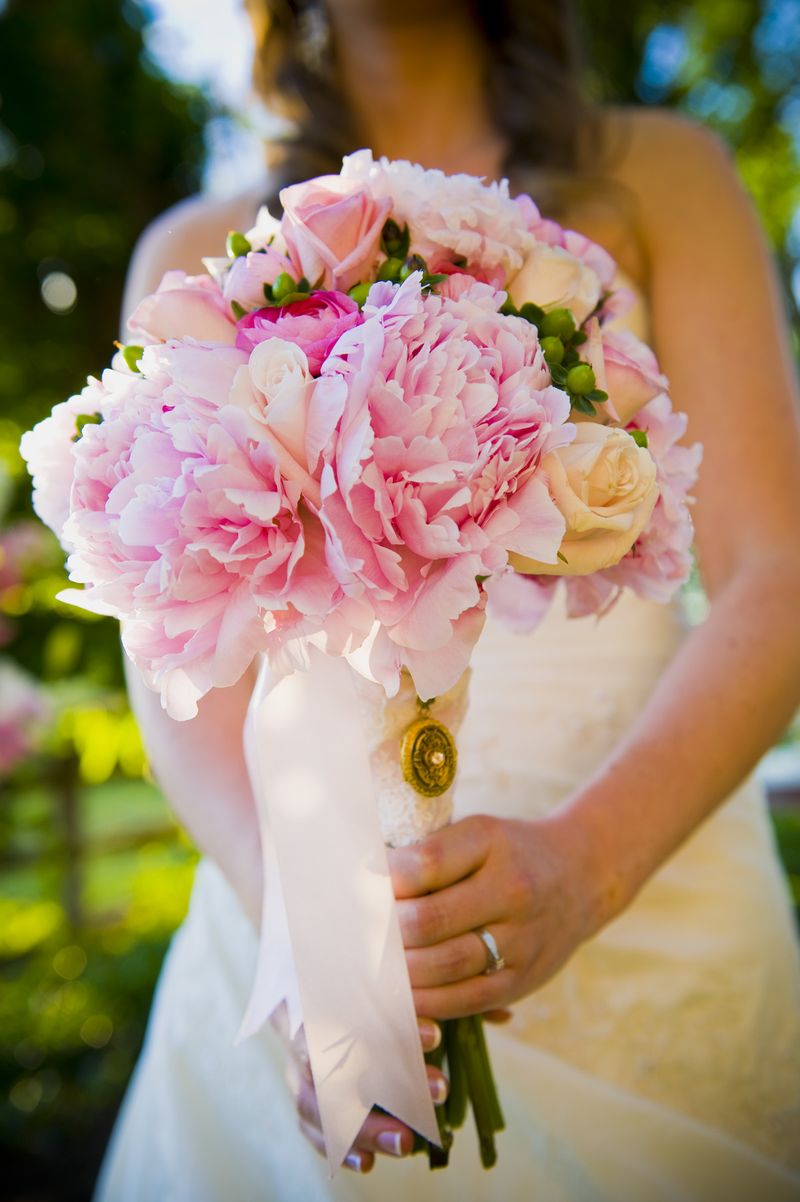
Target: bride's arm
545	886
199	764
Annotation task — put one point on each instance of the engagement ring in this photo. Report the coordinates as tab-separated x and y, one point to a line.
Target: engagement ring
494	961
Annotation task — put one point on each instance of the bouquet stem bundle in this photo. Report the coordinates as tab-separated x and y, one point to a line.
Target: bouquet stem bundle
464	1058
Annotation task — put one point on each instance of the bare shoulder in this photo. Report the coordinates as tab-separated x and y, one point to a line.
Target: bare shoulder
182	235
681	173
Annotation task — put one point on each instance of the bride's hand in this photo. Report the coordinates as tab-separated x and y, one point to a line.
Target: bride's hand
380	1133
531	884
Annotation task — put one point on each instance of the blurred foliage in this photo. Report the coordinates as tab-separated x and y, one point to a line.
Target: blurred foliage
735	66
94	142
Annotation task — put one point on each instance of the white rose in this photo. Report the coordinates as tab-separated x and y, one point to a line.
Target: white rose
553	278
274	389
604	484
266	232
278	368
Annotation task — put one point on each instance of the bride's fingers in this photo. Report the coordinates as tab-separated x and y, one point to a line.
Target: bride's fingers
450	912
441	859
379	1132
358	1161
473	996
501	1015
453	960
430	1034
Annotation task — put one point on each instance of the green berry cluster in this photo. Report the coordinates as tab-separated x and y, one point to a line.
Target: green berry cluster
284	289
398	264
559	338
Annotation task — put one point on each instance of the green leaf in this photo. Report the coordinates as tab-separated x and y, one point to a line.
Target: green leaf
237	310
534	315
563	558
639	437
83	420
394	241
132	354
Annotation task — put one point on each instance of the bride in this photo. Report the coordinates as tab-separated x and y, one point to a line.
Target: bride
609	835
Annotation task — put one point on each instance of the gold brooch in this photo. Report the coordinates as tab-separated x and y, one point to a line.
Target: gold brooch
428	754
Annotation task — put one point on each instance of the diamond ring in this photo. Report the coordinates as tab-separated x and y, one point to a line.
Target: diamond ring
494	961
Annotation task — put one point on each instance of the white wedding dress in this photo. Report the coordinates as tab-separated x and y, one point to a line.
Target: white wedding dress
661	1064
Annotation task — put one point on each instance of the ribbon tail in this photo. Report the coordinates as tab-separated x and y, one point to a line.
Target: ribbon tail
275	978
311	775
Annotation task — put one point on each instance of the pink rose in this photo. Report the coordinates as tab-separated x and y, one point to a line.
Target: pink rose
314	325
625	368
184	306
332	228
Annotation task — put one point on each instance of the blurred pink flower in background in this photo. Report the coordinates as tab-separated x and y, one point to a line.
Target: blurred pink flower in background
24	711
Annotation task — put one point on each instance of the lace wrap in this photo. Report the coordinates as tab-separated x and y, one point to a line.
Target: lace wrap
405	815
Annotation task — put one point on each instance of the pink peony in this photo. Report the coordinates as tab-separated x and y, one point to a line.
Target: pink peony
184	306
332	229
431	475
49	451
449	216
313	324
183	527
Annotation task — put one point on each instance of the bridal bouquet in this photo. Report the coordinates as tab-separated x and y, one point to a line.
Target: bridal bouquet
402	402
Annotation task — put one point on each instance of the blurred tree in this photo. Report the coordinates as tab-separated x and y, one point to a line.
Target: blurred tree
94	142
732	64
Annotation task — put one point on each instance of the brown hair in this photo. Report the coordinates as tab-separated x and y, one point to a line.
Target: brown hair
533	91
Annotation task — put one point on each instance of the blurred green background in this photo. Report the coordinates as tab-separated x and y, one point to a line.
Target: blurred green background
110	112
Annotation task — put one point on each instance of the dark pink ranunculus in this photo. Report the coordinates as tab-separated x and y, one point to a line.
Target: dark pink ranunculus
315	325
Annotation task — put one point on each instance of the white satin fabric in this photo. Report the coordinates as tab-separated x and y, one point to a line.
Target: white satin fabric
661	1064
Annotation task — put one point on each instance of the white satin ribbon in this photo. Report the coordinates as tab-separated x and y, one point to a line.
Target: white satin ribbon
330	938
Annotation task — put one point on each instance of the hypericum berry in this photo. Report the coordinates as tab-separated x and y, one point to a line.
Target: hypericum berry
390	269
358	293
553	349
283	286
413	263
558	323
236	245
580	379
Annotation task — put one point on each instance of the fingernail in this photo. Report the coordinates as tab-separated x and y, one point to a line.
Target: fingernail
430	1034
438	1089
354	1161
391	1142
